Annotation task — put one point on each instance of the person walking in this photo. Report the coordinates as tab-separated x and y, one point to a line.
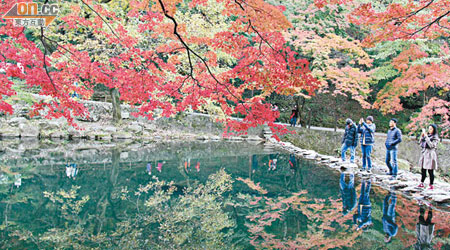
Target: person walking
389	226
294	116
276	112
394	137
350	140
428	159
367	131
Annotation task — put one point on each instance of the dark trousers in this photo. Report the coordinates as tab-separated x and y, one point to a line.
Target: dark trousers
430	172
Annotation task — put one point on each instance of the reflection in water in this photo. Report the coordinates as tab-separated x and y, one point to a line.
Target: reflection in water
363	218
232	203
254	163
424	230
292	161
71	170
187	165
348	193
197	166
389	226
149	168
18	180
273	159
159	166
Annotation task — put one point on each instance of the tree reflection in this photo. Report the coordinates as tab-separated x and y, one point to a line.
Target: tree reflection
108	209
159	215
325	227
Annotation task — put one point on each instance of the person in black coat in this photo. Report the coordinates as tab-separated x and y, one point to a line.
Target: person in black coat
294	116
350	140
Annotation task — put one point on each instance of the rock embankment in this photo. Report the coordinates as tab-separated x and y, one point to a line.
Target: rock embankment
99	126
406	182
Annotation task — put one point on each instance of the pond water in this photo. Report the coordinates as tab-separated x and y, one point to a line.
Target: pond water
192	195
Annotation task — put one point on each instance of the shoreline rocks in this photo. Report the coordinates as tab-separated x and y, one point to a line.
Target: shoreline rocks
405	183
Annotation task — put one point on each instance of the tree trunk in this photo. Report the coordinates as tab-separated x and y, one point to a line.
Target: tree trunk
300	115
335	114
117	112
309	118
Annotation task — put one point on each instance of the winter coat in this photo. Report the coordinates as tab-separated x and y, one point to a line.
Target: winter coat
294	113
367	132
394	137
428	158
350	136
348	193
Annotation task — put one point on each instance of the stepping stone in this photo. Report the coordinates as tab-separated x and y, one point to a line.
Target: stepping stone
441	198
310	157
412	189
404	184
429	193
392	182
333	160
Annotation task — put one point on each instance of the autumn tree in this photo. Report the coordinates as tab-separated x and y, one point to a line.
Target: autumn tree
411	38
332	45
160	54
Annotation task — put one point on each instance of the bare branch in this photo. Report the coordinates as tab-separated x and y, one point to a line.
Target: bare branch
426	27
189	51
45	62
107	24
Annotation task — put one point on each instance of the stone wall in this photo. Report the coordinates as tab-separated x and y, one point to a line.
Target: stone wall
99	126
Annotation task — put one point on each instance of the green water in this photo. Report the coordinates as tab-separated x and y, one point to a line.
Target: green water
195	196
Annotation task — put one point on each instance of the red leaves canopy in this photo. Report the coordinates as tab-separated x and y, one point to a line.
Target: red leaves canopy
148	51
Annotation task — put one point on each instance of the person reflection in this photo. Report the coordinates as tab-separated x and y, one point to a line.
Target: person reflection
71	170
187	165
149	168
363	217
348	193
389	226
424	230
292	161
18	180
197	166
273	159
159	166
254	163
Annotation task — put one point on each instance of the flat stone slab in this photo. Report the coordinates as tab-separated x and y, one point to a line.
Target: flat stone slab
309	152
411	189
404	185
254	138
441	198
310	157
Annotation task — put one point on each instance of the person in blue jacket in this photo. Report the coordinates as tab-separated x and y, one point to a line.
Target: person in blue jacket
363	218
349	140
389	226
367	131
394	137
